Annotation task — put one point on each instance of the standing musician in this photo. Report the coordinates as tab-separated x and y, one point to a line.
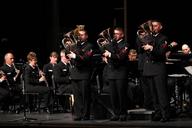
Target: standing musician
12	75
135	92
154	71
115	57
80	59
146	37
35	80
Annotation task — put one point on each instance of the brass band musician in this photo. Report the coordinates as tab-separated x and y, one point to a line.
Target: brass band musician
154	71
80	70
115	57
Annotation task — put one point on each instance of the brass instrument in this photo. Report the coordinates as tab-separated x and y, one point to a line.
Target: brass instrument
105	37
144	32
71	38
104	40
69	41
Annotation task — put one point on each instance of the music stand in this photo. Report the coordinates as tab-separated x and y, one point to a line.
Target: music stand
188	69
25	94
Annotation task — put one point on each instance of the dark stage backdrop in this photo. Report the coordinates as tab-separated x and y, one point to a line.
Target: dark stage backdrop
38	25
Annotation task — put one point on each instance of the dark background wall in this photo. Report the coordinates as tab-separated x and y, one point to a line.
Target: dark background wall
38	25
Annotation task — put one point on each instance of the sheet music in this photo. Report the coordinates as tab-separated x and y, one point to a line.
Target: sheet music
189	69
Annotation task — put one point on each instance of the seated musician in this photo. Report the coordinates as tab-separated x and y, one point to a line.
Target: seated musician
35	81
62	79
185	84
187	61
48	68
11	82
135	93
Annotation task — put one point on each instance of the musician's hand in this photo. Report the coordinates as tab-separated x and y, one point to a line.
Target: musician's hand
42	79
167	54
17	71
41	73
147	47
173	44
68	43
104	60
14	78
107	53
71	55
3	77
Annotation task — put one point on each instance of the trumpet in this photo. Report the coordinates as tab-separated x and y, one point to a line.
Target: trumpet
42	74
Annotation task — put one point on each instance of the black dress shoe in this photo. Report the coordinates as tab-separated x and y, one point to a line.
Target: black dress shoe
156	118
164	119
17	111
114	118
77	118
48	110
86	118
123	118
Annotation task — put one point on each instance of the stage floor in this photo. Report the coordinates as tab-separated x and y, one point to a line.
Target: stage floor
65	120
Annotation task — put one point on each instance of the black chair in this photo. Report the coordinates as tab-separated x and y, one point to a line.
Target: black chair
26	100
69	98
